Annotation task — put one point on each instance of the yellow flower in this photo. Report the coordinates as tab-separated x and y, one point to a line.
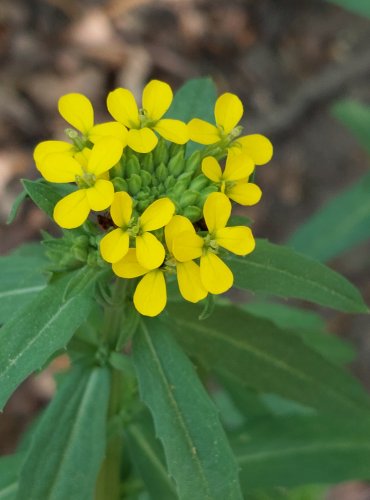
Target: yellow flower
149	250
45	148
188	273
77	110
150	296
215	275
156	99
94	191
228	112
233	181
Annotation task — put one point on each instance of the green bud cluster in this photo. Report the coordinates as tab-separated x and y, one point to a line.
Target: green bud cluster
165	172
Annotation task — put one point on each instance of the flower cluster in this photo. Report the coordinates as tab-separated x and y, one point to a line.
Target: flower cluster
168	209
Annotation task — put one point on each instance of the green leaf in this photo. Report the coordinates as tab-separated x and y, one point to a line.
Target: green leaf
278	270
195	99
69	443
147	454
308	326
356	117
297	450
361	7
22	278
39	329
9	469
197	452
16	206
257	354
46	195
339	225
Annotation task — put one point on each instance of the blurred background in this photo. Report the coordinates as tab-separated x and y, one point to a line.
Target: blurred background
288	60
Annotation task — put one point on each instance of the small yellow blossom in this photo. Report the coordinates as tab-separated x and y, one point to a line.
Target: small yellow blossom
94	191
228	113
77	110
150	296
188	273
149	250
45	148
233	181
156	99
215	275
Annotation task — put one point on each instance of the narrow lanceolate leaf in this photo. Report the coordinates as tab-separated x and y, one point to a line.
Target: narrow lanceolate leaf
256	353
342	223
278	270
147	454
36	331
69	443
22	278
45	196
9	469
197	452
296	450
356	117
361	7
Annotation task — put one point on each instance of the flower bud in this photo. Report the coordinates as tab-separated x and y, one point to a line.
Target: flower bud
120	184
146	178
193	162
176	164
199	183
147	162
188	198
160	153
143	194
169	182
134	184
193	213
205	193
174	149
161	172
132	167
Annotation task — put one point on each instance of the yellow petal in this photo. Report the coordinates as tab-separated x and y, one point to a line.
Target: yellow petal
216	210
114	245
157	215
104	155
187	246
60	167
150	296
150	252
258	147
128	267
245	193
83	157
121	209
142	140
173	130
157	98
237	239
177	225
228	111
109	129
77	110
215	275
100	196
72	210
50	147
211	169
203	132
190	284
238	167
122	106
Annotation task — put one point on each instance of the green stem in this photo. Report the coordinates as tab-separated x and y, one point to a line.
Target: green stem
109	480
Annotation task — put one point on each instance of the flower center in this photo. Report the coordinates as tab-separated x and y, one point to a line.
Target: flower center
210	244
85	181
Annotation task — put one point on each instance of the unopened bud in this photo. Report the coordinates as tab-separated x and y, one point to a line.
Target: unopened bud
80	254
146	178
161	188
174	149
120	184
147	162
188	198
193	162
176	165
160	153
199	183
143	195
169	182
132	167
205	193
161	172
134	184
193	213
